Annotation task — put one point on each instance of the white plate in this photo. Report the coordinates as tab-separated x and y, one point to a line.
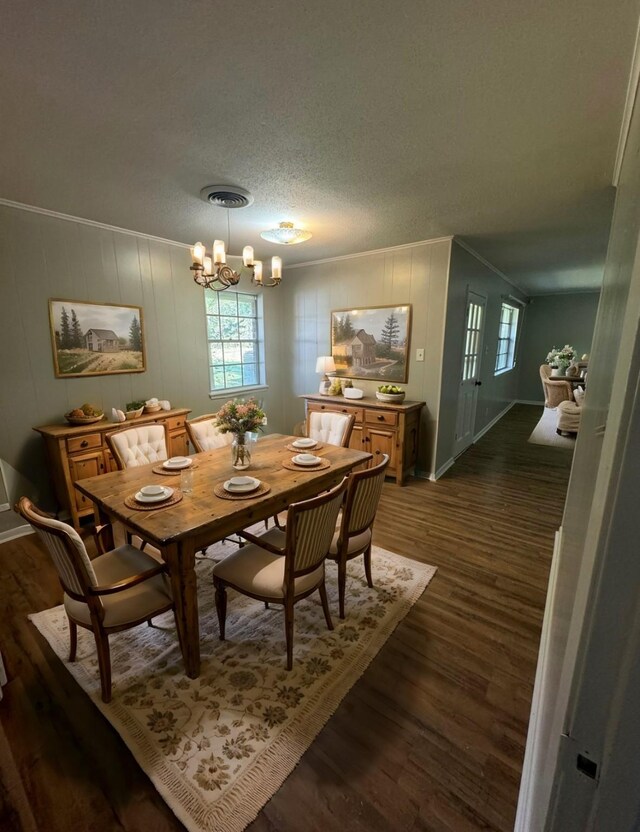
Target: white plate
184	462
304	443
308	463
242	489
166	493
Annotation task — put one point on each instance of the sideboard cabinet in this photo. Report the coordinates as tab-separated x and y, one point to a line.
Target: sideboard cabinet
380	428
78	451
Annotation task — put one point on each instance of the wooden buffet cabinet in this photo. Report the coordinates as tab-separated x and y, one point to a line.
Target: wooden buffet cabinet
380	428
75	452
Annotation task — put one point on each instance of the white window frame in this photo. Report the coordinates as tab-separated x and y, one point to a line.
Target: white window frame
217	392
511	339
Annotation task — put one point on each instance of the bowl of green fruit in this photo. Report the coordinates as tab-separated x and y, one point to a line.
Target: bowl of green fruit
86	414
390	393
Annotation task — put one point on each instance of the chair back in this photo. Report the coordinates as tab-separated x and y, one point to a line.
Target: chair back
555	390
66	548
363	495
330	427
204	434
141	445
310	528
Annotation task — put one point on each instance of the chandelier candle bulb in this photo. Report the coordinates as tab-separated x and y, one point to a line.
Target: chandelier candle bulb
208	265
219	256
197	253
276	268
247	255
257	272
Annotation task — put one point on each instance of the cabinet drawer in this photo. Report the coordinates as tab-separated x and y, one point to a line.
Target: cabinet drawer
381	417
174	422
84	443
358	412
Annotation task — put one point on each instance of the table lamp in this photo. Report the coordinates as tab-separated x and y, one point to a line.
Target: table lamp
325	364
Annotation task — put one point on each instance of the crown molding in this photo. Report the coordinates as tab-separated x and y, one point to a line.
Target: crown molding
20	206
366	253
489	265
629	105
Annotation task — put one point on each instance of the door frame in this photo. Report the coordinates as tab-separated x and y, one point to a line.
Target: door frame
457	447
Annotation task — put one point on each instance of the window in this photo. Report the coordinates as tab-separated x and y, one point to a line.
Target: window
235	340
507	334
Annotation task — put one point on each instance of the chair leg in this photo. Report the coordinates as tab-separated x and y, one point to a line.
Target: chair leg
266	605
221	605
342	582
104	663
288	628
367	566
73	640
322	589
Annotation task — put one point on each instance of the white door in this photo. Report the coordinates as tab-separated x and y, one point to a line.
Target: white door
470	371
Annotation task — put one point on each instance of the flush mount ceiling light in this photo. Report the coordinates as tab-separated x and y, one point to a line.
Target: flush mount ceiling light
286	234
211	270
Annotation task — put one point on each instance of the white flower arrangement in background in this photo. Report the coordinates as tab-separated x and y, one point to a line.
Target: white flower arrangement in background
561	356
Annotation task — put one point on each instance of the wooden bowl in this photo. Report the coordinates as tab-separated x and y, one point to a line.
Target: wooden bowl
152	408
133	414
84	420
395	398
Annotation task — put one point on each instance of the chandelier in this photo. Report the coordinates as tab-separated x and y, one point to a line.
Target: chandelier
211	271
286	234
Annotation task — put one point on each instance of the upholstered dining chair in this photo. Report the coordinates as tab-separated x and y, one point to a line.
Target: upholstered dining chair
330	426
115	591
204	435
141	445
555	391
353	535
283	567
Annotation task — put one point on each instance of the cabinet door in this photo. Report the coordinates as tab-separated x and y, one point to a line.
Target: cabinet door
356	442
178	443
81	467
382	442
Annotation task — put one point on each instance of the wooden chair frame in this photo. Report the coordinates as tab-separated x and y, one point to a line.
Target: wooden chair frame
343	555
289	599
116	454
348	430
92	595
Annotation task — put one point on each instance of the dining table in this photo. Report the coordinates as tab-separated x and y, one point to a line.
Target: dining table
201	518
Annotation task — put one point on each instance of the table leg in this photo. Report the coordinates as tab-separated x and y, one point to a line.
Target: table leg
180	558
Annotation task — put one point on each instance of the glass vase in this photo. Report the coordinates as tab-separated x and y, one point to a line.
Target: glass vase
240	452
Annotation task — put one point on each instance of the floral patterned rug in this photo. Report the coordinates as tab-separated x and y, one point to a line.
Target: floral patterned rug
218	747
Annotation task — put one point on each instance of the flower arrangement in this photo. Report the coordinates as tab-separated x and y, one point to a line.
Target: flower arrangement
560	356
239	417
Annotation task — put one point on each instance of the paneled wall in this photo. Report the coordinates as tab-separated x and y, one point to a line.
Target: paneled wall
44	257
553	320
415	275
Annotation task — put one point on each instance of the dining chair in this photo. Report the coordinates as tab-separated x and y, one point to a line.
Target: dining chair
115	591
204	434
555	390
330	426
283	567
353	535
141	445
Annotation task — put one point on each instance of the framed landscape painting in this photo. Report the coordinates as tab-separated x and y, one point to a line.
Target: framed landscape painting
372	343
95	339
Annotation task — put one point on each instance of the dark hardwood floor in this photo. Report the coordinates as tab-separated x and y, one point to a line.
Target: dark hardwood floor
430	738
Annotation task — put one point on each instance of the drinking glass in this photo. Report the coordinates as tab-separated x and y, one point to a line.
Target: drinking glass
186	480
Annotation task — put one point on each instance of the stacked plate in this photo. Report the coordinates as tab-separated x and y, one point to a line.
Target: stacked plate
241	485
306	460
154	494
176	463
304	444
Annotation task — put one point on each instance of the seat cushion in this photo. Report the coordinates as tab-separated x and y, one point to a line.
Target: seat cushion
261	573
358	543
130	605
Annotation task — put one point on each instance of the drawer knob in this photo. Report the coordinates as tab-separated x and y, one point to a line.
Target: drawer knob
84	443
381	418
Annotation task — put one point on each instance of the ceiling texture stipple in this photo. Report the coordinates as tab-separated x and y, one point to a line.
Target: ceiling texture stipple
375	124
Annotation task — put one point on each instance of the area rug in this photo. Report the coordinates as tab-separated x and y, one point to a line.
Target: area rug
218	747
544	432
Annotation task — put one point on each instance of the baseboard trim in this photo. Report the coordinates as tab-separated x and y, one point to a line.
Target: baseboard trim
495	419
441	470
4	506
12	534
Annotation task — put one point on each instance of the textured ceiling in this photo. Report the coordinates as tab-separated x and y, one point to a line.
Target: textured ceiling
374	123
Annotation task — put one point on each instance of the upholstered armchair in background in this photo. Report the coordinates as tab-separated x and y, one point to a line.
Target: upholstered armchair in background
554	391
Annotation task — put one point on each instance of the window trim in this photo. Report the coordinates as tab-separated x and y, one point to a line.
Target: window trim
261	365
511	352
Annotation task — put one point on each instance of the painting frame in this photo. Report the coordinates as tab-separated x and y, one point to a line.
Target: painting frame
63	359
379	369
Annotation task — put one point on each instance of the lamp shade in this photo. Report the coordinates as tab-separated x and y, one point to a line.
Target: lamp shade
325	364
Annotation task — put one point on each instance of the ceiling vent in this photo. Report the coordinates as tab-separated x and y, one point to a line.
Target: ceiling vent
226	196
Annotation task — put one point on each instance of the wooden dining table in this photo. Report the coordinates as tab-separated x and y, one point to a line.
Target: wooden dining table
201	518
